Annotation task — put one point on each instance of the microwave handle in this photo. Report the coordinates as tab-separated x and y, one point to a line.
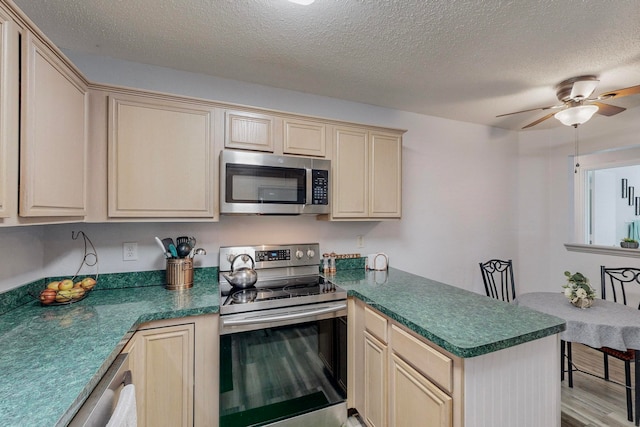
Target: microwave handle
286	316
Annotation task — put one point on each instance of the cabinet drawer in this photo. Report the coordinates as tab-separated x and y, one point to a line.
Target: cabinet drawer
425	359
375	324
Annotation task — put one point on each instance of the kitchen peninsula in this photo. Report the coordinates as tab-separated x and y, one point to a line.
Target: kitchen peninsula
53	356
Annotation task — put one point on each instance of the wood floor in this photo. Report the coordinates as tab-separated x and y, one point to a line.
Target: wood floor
593	401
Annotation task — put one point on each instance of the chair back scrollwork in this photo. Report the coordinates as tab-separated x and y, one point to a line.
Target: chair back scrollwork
497	276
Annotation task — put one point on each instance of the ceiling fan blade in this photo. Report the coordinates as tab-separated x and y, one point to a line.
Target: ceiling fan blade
582	89
532	109
607	109
633	90
548	116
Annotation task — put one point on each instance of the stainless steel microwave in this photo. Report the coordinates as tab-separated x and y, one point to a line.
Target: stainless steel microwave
268	184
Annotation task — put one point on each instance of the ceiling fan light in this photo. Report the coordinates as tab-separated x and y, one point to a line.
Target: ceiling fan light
574	116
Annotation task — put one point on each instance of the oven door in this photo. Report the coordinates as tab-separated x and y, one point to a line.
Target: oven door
284	367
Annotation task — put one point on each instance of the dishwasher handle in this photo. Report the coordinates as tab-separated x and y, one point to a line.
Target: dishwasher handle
97	409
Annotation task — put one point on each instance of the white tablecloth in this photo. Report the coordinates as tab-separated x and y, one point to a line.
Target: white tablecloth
605	324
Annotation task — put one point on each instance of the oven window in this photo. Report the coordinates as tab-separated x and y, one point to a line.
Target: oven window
276	373
265	184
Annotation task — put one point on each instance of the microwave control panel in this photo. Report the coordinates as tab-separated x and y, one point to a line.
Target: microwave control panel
319	187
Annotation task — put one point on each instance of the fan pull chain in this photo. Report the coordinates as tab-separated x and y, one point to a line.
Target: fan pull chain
577	150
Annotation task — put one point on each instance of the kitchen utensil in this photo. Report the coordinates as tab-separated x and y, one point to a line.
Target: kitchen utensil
173	250
200	251
243	277
192	242
181	239
166	242
164	250
183	249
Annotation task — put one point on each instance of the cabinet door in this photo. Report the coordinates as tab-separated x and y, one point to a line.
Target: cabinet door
350	173
9	106
53	150
414	400
161	161
304	137
162	365
249	131
385	181
375	382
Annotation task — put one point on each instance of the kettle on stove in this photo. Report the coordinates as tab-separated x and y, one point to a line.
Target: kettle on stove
243	277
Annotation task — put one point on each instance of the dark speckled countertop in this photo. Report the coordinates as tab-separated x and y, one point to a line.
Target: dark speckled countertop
462	322
52	357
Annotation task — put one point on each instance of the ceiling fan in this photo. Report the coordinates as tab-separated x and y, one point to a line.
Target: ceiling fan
576	105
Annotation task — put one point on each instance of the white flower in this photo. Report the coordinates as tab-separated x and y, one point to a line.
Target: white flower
581	293
567	292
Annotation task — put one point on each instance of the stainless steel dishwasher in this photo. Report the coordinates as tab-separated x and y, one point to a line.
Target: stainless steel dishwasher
97	409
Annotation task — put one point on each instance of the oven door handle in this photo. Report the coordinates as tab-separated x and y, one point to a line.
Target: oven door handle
282	317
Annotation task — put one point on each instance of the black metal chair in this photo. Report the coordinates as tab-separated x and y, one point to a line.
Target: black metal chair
616	279
497	276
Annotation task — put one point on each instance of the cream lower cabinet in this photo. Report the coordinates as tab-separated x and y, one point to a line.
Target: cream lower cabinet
367	174
54	134
397	380
414	400
161	161
176	380
375	381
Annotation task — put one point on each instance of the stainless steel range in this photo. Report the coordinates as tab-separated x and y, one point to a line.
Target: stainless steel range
283	339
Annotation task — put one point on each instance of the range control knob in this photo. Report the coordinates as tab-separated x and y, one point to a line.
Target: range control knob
311	253
299	254
230	257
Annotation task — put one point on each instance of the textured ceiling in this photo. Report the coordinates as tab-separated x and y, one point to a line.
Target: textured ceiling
465	60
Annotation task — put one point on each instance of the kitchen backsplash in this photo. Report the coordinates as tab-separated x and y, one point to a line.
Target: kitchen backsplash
28	292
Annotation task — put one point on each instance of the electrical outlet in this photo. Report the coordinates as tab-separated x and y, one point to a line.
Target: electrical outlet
129	251
360	241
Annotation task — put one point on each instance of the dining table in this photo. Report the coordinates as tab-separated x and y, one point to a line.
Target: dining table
604	324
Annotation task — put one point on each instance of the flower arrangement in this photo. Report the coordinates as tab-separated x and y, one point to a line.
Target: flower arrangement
578	290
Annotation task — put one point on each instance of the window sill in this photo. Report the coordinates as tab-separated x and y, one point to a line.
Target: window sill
603	250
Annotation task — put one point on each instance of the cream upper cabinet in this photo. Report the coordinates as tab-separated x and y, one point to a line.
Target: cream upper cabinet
161	161
53	144
367	174
274	133
9	114
385	175
304	137
249	131
350	167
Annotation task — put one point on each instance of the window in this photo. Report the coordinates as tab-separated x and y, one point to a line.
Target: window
607	196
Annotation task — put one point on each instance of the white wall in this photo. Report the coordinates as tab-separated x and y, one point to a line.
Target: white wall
459	190
545	201
21	255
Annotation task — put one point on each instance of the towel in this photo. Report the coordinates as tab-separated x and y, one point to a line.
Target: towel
634	230
125	412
